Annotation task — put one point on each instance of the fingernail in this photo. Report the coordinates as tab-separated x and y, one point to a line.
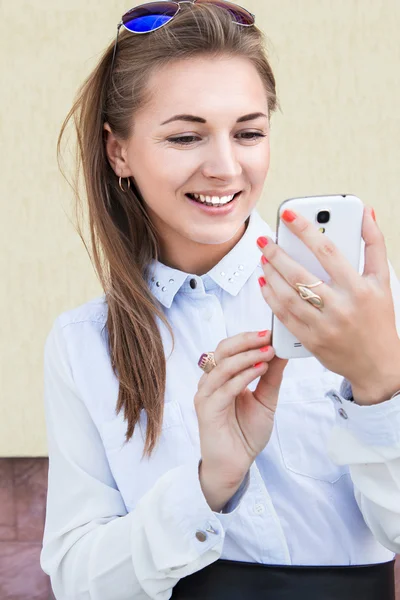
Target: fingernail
265	348
263	260
262	242
373	214
258	364
262	333
261	281
288	216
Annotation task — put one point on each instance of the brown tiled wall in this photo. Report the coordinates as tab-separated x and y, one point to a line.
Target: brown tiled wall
23	484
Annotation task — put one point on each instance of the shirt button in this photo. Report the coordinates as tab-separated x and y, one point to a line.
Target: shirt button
259	509
336	397
193	284
201	536
343	413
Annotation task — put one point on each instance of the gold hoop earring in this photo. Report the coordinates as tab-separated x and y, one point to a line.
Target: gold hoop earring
120	184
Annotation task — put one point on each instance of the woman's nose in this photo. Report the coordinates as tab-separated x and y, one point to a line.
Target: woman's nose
222	162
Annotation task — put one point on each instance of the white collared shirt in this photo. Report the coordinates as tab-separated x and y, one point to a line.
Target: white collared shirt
324	491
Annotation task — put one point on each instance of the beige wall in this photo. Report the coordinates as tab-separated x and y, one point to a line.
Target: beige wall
337	66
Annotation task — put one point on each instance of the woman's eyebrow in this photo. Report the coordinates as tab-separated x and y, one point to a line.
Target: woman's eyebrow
192	118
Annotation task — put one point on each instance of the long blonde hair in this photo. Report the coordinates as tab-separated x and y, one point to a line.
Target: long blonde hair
123	240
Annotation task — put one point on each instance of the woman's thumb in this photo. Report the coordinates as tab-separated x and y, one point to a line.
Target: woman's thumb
270	382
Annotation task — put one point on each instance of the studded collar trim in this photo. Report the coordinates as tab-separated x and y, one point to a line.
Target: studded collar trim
231	273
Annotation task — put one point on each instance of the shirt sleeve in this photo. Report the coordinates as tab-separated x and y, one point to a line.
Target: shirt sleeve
367	438
92	548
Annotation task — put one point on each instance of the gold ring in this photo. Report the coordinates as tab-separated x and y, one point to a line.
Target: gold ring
207	362
306	294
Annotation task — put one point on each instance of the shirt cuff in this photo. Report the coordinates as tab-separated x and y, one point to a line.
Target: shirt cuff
229	510
180	525
375	425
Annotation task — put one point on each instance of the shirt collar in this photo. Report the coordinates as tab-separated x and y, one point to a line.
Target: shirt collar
231	273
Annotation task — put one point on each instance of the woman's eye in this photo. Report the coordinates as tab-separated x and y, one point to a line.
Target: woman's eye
252	135
189	139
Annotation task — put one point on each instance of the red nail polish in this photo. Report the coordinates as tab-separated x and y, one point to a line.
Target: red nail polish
262	333
265	348
263	260
258	364
373	214
261	281
262	242
288	216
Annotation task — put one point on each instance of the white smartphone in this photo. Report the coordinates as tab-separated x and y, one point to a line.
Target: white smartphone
339	217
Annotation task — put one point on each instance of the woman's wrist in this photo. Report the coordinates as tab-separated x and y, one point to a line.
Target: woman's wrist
375	392
216	488
380	383
374	395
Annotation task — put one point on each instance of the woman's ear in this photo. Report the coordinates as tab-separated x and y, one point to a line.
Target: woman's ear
116	153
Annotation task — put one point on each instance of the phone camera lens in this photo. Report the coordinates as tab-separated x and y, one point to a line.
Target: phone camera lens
323	216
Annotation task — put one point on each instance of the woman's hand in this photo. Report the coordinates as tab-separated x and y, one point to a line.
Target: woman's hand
235	424
355	333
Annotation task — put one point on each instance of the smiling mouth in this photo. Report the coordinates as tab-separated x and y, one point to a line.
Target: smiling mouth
216	204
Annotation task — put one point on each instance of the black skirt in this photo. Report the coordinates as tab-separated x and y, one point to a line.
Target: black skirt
233	580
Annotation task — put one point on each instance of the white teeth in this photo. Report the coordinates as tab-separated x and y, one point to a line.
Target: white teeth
215	200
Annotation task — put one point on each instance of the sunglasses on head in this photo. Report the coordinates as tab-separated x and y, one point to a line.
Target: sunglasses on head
146	18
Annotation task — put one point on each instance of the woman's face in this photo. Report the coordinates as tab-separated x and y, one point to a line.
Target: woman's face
208	153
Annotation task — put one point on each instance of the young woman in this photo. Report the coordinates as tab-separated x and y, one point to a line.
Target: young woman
258	477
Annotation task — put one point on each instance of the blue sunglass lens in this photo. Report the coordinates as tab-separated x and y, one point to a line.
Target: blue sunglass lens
149	17
146	23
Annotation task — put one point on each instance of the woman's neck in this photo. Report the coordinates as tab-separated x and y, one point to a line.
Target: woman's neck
194	258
